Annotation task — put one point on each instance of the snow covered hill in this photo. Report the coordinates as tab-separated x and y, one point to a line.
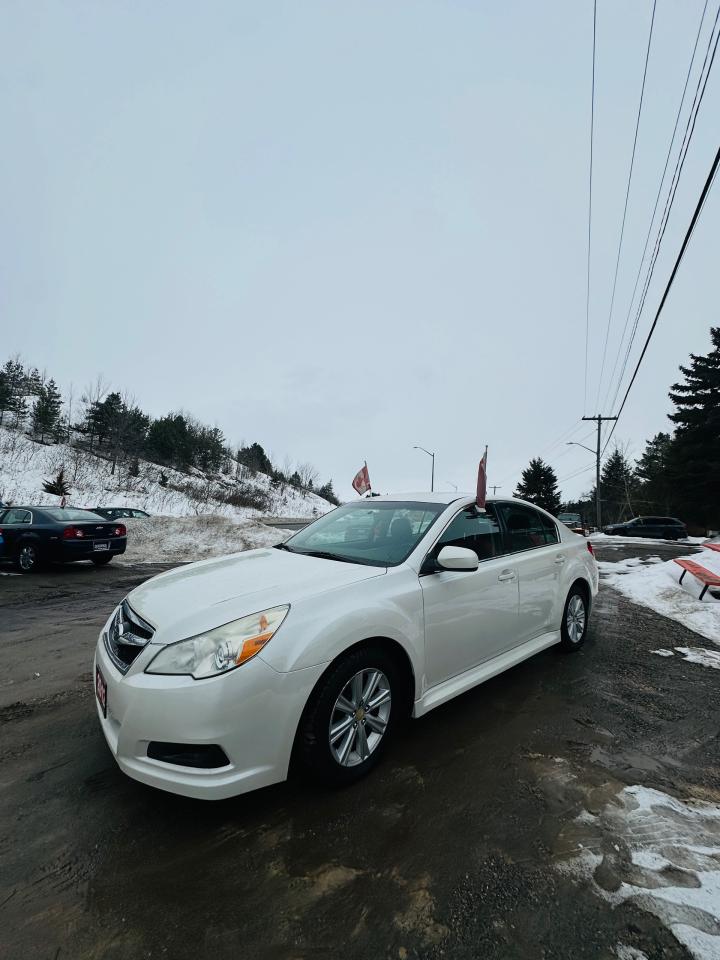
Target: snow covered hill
238	494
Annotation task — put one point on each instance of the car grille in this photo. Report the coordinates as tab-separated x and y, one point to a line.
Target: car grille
126	637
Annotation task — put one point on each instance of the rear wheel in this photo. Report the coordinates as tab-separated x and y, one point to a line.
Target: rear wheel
28	558
575	620
350	715
101	561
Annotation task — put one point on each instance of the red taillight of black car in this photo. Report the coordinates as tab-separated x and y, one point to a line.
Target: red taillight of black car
73	533
590	547
120	530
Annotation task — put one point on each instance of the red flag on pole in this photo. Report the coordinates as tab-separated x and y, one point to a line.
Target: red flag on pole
361	480
482	483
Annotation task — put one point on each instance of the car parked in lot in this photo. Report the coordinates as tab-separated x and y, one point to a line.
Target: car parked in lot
659	528
573	521
121	513
210	677
30	536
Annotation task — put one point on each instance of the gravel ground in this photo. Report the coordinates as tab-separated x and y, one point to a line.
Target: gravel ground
458	846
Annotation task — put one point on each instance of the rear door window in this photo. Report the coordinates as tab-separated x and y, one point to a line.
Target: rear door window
526	528
17	516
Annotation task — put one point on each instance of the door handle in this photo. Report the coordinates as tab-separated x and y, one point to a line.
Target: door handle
559	560
507	575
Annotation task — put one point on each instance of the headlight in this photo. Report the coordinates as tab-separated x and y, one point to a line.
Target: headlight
220	650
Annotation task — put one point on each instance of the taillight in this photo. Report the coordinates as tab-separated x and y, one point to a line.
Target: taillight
120	530
590	547
73	533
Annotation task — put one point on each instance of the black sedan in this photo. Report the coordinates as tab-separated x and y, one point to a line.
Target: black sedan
30	536
120	513
659	528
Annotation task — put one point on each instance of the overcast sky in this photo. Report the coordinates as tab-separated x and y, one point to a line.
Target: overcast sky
342	229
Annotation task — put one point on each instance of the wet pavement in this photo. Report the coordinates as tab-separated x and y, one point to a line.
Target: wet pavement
455	847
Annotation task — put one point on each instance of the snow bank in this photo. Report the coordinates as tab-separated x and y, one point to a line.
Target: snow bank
661	854
655	585
185	539
25	464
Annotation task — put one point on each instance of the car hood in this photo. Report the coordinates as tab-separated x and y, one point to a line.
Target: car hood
203	595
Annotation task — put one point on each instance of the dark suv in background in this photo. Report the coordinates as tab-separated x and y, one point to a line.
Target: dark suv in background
660	528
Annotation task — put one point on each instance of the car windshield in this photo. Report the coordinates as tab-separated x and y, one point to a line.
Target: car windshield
569	517
380	534
69	513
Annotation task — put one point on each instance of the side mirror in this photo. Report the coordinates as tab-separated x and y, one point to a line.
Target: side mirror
457	558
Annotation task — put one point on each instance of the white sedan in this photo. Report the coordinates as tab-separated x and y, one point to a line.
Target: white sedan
211	677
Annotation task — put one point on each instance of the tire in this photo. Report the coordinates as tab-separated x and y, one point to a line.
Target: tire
357	748
100	561
575	620
28	559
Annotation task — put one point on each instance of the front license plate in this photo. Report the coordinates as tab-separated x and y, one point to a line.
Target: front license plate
101	690
101	546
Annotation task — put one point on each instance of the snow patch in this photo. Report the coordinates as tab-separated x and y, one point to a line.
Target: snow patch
701	655
661	853
655	584
186	539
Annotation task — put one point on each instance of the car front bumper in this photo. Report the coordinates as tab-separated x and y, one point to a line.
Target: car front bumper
251	713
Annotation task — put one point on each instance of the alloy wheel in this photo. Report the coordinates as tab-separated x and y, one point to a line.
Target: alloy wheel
575	618
359	719
27	557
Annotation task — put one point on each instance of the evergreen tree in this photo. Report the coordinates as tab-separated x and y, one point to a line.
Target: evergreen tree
694	456
14	403
654	493
539	486
327	493
34	382
46	411
255	458
5	396
58	486
618	485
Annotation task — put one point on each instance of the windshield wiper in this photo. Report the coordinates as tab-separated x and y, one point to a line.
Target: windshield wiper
284	546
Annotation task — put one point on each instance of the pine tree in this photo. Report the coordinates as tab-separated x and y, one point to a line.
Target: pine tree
618	485
5	396
46	411
539	486
655	490
58	486
694	465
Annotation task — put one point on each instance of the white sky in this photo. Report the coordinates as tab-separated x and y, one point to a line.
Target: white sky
344	229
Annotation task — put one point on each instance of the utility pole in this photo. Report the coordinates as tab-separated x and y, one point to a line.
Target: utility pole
494	487
598	508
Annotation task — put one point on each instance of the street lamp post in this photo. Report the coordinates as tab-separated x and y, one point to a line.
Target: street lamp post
596	454
432	473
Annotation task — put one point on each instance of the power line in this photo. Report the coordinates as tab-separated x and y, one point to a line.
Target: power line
678	261
679	164
589	231
657	200
627	197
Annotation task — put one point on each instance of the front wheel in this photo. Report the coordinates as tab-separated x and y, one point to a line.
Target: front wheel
575	620
28	558
350	715
101	561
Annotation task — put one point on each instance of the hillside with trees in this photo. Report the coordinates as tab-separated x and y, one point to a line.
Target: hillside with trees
112	450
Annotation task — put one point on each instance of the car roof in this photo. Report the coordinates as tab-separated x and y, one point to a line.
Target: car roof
442	497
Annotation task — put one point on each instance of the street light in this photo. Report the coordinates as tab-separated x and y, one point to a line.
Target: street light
451	484
596	454
432	474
